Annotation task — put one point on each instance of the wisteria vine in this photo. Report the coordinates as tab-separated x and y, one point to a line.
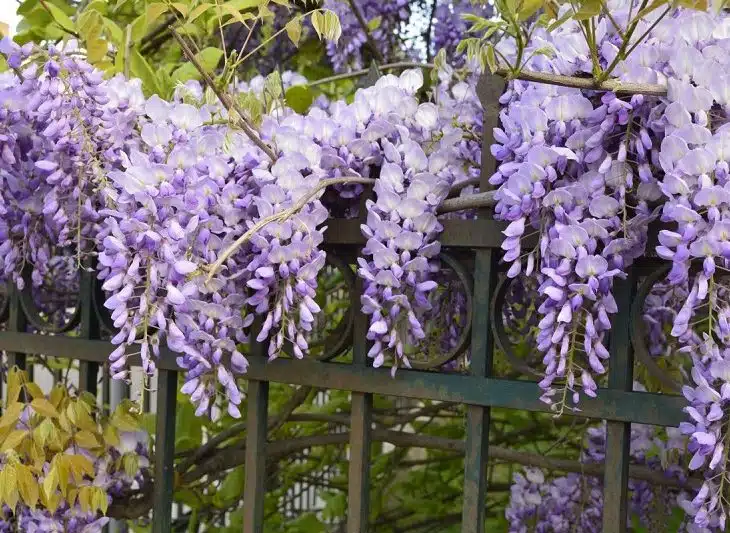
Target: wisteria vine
197	230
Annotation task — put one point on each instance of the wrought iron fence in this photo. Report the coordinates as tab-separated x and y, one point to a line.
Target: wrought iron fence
472	250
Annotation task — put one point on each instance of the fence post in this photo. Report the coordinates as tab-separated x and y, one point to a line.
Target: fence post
88	329
164	451
482	347
358	485
257	399
618	434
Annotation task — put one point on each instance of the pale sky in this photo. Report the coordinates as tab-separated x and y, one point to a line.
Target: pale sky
7	14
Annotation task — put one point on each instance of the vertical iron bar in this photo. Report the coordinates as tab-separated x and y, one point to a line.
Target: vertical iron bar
254	492
88	329
618	434
164	451
16	322
358	485
478	418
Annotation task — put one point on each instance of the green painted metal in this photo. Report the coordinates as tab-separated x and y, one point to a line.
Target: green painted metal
358	488
256	429
618	434
164	451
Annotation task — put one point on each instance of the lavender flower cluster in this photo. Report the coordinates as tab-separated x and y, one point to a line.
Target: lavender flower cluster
157	191
564	503
582	170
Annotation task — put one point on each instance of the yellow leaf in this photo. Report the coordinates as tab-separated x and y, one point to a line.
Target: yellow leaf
294	30
81	466
13	440
64	473
86	439
83	418
9	481
44	407
50	483
28	486
34	390
15	377
85	496
11	415
53	501
100	501
111	437
58	394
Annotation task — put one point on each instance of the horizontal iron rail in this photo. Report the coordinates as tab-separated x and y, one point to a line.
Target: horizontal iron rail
611	404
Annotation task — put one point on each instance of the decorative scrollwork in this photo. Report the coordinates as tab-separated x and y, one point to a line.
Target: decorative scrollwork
461	287
499	330
638	331
53	305
337	341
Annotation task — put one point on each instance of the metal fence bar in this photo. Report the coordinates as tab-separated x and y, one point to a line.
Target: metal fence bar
254	492
611	404
164	451
17	322
618	434
88	329
358	487
478	417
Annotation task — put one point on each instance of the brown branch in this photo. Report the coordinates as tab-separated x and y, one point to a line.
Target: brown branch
472	201
460	186
612	85
281	216
364	25
232	457
210	446
227	102
365	72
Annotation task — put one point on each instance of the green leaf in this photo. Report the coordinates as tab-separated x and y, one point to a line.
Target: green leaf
299	98
185	73
188	427
199	10
141	69
154	11
294	30
374	23
588	9
209	57
318	23
61	18
528	8
675	520
232	486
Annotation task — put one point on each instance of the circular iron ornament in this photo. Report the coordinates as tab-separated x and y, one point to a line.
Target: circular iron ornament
462	342
102	313
337	342
638	331
33	313
500	331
